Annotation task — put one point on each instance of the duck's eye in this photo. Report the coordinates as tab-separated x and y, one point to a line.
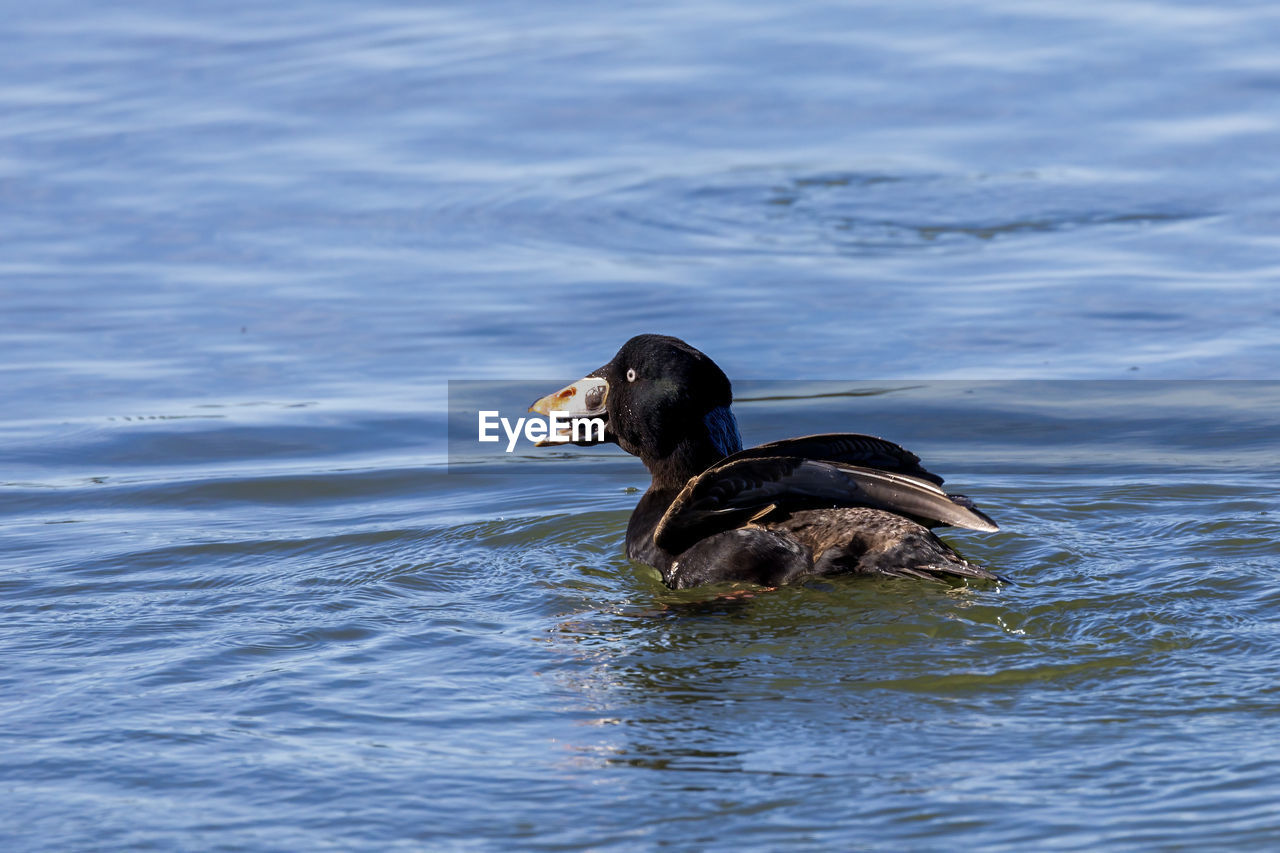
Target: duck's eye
631	374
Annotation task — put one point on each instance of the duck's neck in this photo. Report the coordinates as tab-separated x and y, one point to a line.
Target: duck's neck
696	452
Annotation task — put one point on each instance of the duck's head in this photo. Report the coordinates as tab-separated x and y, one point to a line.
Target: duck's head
663	401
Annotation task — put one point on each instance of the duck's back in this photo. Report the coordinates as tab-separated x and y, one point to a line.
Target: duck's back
772	513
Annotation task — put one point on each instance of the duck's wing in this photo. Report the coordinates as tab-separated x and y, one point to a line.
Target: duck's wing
735	491
850	448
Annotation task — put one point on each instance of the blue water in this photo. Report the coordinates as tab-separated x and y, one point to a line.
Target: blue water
248	603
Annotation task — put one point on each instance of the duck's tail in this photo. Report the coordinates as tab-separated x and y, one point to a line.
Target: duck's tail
945	570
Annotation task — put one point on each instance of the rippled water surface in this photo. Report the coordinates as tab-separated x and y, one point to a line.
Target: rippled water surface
254	599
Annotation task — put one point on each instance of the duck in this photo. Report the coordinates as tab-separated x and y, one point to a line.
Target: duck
777	513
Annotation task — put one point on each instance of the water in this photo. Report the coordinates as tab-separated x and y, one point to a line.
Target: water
249	604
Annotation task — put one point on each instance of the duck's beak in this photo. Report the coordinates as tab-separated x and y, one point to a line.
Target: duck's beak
582	400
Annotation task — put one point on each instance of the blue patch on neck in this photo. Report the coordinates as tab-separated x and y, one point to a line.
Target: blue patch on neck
722	427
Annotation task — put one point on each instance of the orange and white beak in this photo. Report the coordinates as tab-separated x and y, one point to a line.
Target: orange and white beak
583	399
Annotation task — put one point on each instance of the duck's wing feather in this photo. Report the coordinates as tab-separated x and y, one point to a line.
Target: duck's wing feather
735	491
851	448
